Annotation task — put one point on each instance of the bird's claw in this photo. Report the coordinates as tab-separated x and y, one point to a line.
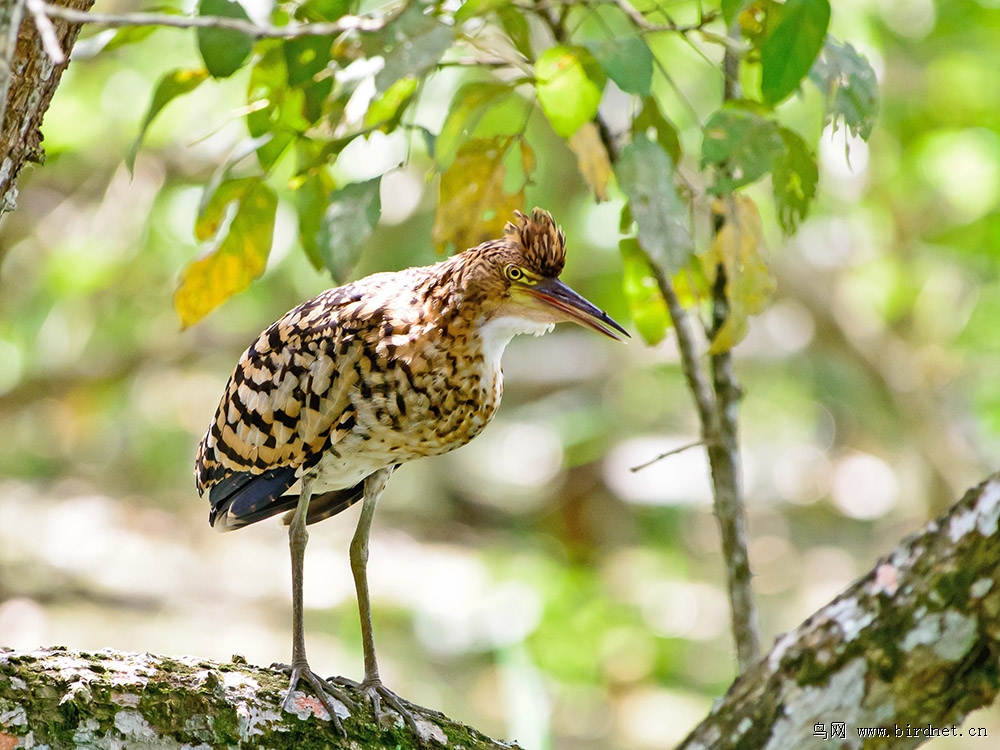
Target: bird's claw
376	692
323	689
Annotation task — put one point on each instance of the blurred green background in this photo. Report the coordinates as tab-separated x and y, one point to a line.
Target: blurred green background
530	583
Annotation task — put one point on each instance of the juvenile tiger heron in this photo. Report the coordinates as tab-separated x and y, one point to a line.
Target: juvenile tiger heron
362	378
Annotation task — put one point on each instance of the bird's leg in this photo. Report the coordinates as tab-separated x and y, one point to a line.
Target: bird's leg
372	684
374	485
299	669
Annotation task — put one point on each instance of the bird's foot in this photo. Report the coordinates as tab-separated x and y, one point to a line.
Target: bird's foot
324	690
376	693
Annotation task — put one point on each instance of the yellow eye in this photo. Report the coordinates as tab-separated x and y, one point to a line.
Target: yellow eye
514	273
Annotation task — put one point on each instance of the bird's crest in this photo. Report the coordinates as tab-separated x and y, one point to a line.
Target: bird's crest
541	242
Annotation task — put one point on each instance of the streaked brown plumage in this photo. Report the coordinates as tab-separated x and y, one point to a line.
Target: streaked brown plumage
364	377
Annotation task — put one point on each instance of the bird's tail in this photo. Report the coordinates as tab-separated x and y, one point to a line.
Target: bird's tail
243	498
326	504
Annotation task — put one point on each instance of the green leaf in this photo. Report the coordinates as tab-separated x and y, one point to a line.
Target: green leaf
627	61
790	49
223	50
848	81
794	181
625	219
516	26
240	250
646	176
312	196
467	108
347	224
738	247
473	8
473	205
650	118
415	43
324	10
732	8
387	110
648	308
113	39
130	34
169	87
570	83
305	57
742	146
273	108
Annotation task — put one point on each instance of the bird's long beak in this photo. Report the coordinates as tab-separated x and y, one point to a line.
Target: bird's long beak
560	298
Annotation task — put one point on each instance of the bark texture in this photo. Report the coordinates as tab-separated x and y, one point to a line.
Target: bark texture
913	645
32	79
108	700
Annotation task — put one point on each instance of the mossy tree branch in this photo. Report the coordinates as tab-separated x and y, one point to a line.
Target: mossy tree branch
65	699
913	644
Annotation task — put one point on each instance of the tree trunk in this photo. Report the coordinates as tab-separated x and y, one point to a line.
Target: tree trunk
28	79
62	699
907	651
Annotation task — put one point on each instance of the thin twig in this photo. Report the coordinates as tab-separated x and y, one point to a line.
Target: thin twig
46	31
699	386
255	30
724	455
646	25
669	453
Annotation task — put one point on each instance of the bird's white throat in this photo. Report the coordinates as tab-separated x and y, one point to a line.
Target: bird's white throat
497	333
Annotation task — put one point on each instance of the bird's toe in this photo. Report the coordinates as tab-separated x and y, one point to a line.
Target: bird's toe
325	691
411	713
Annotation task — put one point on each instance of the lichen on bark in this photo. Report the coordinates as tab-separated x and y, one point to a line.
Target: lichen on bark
916	641
62	699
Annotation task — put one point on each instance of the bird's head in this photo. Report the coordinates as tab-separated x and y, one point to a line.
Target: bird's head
524	270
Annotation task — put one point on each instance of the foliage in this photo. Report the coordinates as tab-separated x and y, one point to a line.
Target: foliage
305	92
879	351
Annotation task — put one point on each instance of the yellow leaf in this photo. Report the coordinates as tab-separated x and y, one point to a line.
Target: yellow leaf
528	160
238	257
473	206
592	159
738	248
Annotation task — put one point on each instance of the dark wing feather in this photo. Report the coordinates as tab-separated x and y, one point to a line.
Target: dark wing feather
280	409
247	510
243	498
326	504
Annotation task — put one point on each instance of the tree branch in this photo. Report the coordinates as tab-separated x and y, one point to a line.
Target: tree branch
10	21
46	31
65	699
724	451
28	79
258	31
915	642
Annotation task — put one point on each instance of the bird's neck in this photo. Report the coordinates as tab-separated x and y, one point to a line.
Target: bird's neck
470	307
496	333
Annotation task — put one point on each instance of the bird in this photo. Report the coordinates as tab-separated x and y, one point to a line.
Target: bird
362	378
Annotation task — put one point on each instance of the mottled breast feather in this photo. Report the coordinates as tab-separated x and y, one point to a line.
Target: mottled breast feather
284	401
362	377
384	370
